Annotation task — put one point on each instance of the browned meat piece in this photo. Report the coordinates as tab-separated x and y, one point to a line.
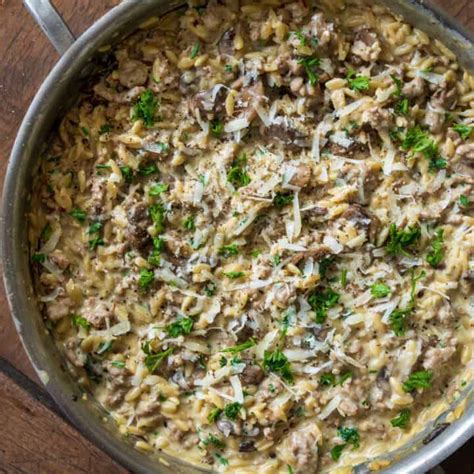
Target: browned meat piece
132	73
466	159
148	408
138	222
57	256
205	102
302	176
363	218
366	46
350	151
287	135
96	312
269	389
252	374
415	88
320	29
98	191
226	43
378	118
59	309
118	384
443	99
436	356
111	95
303	446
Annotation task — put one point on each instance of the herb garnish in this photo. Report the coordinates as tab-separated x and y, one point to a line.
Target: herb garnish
78	214
463	130
228	251
402	420
217	127
321	301
195	50
157	189
145	109
310	64
96	242
399	240
420	379
418	141
240	347
281	200
237	175
154	359
357	82
38	257
278	363
157	213
232	410
214	415
350	436
146	278
188	223
380	290
180	327
234	275
79	321
437	250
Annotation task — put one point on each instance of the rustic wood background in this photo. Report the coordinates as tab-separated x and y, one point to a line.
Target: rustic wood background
36	438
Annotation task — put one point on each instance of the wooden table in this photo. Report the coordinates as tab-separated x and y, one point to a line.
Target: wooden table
36	438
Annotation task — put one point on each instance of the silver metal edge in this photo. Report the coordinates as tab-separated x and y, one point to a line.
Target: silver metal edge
51	23
19	290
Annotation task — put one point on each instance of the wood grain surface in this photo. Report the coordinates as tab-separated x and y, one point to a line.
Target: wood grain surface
36	439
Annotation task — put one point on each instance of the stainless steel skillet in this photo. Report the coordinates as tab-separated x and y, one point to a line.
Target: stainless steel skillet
58	92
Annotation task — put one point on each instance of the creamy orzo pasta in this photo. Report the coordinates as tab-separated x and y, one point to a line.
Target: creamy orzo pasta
252	237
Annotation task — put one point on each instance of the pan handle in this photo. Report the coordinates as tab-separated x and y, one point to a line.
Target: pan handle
51	23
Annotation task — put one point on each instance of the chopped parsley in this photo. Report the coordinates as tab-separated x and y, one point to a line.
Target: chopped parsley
344	377
278	363
399	84
146	278
180	327
240	347
325	264
188	223
221	459
464	201
106	128
157	213
463	130
402	420
350	436
321	301
147	170
94	228
281	200
118	363
232	410
336	451
237	175
420	379
158	246
79	321
418	141
210	289
234	275
357	82
126	173
38	257
228	251
399	240
402	106
214	415
380	290
78	214
437	249
300	36
195	50
310	64
214	441
154	359
157	189
398	318
145	109
96	242
344	277
327	380
217	127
